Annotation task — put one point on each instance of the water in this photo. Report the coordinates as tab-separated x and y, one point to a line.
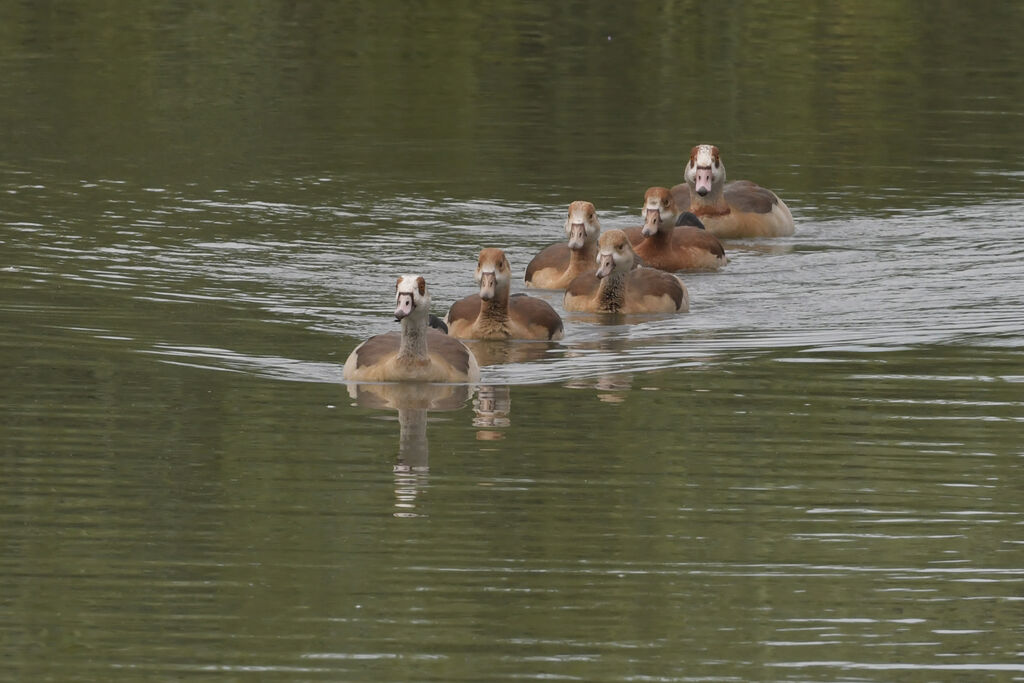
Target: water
813	475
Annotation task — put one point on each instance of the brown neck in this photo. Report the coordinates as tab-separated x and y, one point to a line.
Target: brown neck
711	204
664	234
497	307
612	292
583	258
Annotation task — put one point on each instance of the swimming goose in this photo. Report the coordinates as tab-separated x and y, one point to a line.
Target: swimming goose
417	353
737	209
670	240
618	287
493	314
555	266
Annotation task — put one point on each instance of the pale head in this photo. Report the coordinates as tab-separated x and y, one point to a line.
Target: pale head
659	209
581	225
705	169
411	297
492	272
615	255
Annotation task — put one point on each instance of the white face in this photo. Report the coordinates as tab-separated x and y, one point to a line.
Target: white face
658	207
614	255
410	296
492	269
581	224
704	169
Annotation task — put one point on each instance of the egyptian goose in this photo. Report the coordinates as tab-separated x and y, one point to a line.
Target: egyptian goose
670	240
737	209
417	353
493	314
618	287
555	266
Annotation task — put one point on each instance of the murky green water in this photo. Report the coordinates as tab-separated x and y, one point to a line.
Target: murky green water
814	475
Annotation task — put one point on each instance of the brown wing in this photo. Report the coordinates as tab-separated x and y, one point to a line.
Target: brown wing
534	311
377	347
466	309
699	238
651	282
450	349
743	195
681	195
634	234
556	256
584	284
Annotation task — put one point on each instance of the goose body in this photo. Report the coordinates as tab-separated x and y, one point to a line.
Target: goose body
619	287
416	354
672	240
495	314
556	266
729	210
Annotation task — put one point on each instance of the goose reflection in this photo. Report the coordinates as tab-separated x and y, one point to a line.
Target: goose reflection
502	352
412	401
612	387
491	409
772	248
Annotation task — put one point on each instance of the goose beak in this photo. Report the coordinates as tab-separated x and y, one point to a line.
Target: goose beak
405	306
487	284
702	180
577	235
651	221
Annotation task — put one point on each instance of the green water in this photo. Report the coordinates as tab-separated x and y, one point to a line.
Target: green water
814	475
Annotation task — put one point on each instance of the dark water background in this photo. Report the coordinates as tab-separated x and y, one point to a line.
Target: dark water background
816	474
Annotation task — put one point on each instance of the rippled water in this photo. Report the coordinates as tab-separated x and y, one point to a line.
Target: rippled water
813	475
942	276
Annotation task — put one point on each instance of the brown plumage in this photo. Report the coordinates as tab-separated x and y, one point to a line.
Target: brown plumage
555	266
417	353
494	314
736	209
661	244
618	287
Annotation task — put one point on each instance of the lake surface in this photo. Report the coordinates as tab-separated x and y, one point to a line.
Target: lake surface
815	475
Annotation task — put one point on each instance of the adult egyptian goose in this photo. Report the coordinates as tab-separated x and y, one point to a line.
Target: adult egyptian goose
670	240
493	314
416	354
737	209
555	266
618	287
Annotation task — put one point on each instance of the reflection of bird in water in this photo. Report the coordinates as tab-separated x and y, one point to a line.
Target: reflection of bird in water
412	400
492	405
611	387
503	352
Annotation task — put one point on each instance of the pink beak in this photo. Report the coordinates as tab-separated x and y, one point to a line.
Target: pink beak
487	284
702	180
651	222
577	236
404	306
